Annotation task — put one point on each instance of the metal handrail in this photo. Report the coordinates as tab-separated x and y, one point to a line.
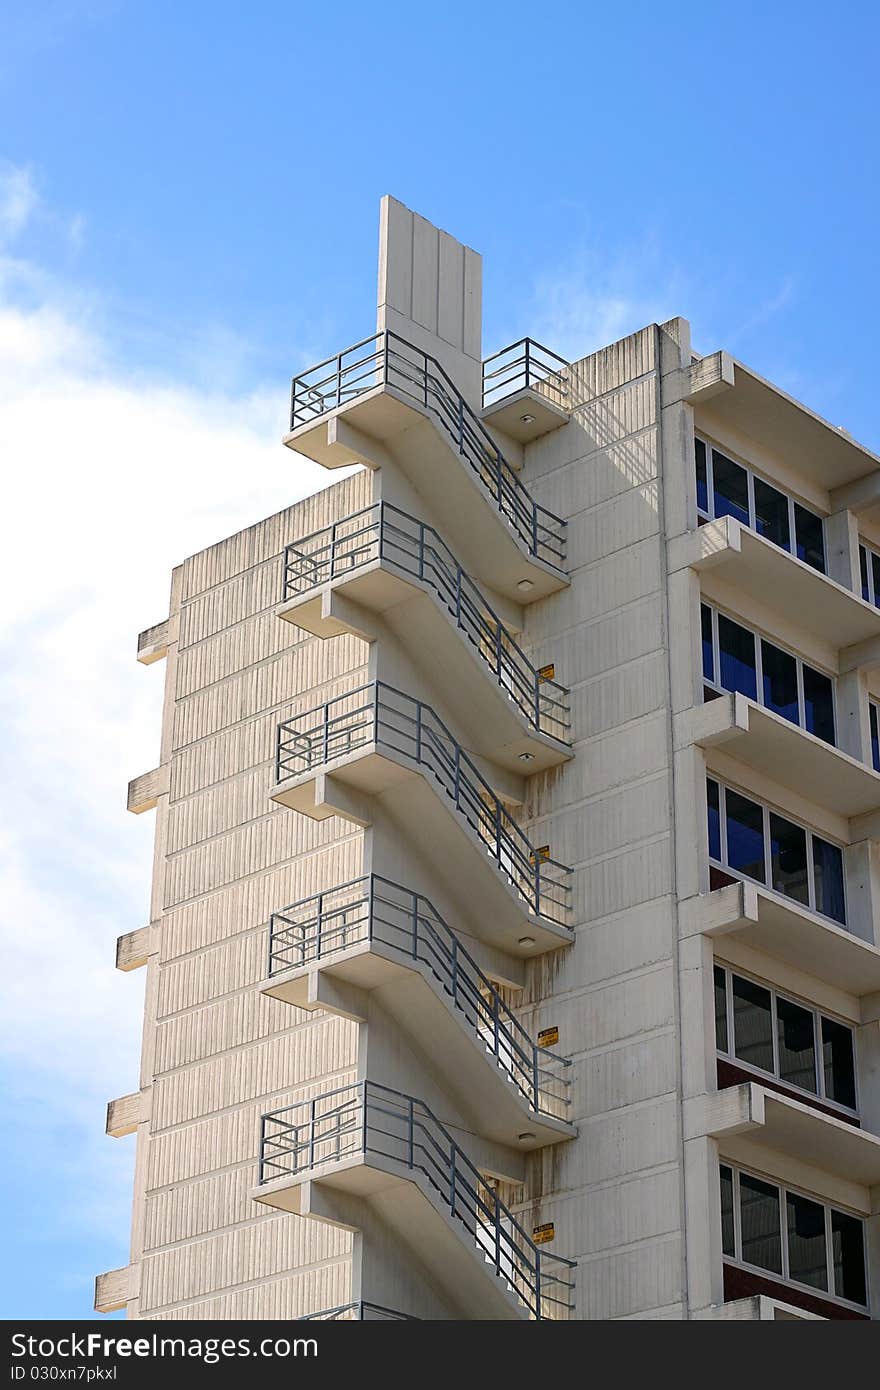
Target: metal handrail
388	360
379	714
522	366
383	532
373	908
366	1118
358	1312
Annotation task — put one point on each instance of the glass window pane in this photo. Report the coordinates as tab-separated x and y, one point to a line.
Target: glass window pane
736	647
708	654
771	514
731	488
720	1009
702	481
759	1219
863	571
875	576
796	1041
828	875
752	1024
838	1062
728	1241
848	1256
819	704
807	1260
810	537
788	859
745	836
875	738
712	800
779	678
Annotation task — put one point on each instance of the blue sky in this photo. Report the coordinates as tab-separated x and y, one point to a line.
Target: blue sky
188	211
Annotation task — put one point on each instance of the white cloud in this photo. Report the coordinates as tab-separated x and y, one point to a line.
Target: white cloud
108	481
18	199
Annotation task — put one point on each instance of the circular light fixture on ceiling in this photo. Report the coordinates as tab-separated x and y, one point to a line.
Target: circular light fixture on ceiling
525	585
527	419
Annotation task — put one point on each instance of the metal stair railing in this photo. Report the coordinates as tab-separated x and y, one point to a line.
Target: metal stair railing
358	1312
373	908
525	365
388	360
381	715
382	532
369	1119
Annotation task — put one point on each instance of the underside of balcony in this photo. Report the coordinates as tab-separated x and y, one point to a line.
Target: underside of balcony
408	992
484	708
347	787
784	929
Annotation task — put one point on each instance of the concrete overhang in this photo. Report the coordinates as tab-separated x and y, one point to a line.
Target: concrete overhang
402	1198
423	1008
479	700
787	1127
349	787
113	1290
752	406
509	415
769	744
772	576
781	928
369	430
757	1308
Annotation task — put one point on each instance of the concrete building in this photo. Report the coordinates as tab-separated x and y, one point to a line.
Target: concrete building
514	945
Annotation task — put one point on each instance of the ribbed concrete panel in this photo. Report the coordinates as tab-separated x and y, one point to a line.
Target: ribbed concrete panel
309	1291
254	1070
605	371
224	1199
232	1022
237	1257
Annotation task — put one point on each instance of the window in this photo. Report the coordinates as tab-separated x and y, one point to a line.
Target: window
792	1236
869	568
736	659
759	1028
748	839
727	488
875	735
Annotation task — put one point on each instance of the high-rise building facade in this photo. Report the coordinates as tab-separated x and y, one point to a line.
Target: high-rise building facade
515	936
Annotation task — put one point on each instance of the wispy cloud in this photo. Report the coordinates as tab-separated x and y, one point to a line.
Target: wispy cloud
111	479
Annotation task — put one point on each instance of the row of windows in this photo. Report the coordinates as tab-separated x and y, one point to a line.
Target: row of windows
792	1236
758	843
735	658
725	488
760	1028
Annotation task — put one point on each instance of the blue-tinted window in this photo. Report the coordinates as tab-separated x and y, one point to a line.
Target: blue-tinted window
875	738
708	654
788	859
720	982
736	649
771	514
779	676
759	1222
752	1024
848	1257
731	488
875	576
728	1240
819	704
807	1257
838	1061
702	480
828	876
745	836
810	537
863	571
712	800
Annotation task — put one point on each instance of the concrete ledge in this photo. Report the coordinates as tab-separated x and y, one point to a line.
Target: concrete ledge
144	791
787	1127
126	1113
134	947
152	643
772	745
758	1308
112	1290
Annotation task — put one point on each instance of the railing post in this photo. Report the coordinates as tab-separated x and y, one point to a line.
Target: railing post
455	970
415	927
527	364
312	1132
421	550
425	376
339	379
497	1234
320	926
495	1019
418	731
262	1148
460	423
363	1091
370	903
333	551
538	1284
535	1075
412	1151
376	713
